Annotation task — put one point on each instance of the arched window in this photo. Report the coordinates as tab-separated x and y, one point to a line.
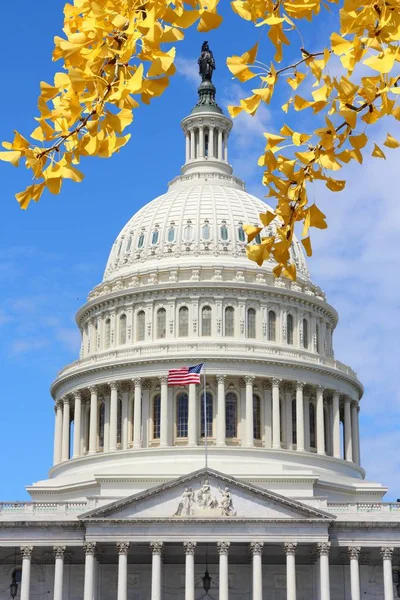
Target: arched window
289	329
183	321
101	425
251	323
231	415
119	249
317	338
224	233
156	416
229	321
271	326
107	333
205	231
182	412
154	237
161	323
140	326
119	422
257	239
188	233
171	234
129	244
256	417
312	426
209	416
140	240
206	321
305	333
122	329
241	234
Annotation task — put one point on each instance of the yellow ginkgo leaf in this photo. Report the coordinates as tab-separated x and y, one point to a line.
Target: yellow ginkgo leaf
13	157
391	142
377	152
335	185
307	245
267	218
251	231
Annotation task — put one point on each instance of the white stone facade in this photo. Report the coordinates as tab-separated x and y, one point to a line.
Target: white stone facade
130	512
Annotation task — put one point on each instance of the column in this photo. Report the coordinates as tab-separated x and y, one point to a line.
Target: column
336	425
189	570
123	548
187	138
221	415
58	571
192	416
276	417
348	450
354	553
106	423
89	548
77	424
267	414
113	415
289	416
226	146
256	551
386	553
58	408
192	143
93	420
26	553
211	142
164	411
156	570
323	551
124	416
65	430
223	549
201	141
137	413
354	431
249	379
290	549
220	144
300	416
306	398
320	420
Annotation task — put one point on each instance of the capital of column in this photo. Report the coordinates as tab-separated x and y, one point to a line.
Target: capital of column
26	551
300	385
290	547
157	547
89	548
58	405
276	382
59	551
77	394
163	379
137	381
93	389
66	400
249	379
347	399
256	548
114	385
387	552
189	547
221	378
353	403
354	552
123	548
223	547
323	548
320	388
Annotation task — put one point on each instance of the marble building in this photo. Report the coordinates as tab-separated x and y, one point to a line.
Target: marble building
130	511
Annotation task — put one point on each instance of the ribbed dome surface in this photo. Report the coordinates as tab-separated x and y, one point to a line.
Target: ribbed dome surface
195	218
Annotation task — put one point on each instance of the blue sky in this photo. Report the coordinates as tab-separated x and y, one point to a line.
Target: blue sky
54	253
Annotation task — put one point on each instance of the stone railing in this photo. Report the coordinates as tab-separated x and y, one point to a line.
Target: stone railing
138	351
363	507
42	508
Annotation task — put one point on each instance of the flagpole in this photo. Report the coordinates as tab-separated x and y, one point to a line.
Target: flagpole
205	415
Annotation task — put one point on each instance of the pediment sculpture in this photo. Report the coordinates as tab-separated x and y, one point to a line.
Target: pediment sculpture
202	502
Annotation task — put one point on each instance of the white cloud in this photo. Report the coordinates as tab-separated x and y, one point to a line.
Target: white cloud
188	68
70	338
22	346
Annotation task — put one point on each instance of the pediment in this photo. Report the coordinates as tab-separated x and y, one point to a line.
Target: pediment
206	494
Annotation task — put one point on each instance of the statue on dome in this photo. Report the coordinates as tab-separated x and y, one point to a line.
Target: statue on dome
206	63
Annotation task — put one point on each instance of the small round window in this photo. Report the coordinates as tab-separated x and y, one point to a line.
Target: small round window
224	232
140	241
154	237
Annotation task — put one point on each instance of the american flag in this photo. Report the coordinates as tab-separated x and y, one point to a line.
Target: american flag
185	375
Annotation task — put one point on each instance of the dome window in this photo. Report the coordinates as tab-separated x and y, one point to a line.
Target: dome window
122	329
182	415
256	417
251	323
231	415
119	249
156	416
271	326
206	321
183	321
305	334
140	326
241	234
205	231
188	233
230	323
154	237
161	323
209	415
289	329
171	234
140	240
107	336
257	239
224	233
129	244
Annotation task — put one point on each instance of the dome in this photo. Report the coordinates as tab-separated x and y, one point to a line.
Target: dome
196	221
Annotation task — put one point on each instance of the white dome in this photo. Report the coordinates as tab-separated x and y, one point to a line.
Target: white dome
198	219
